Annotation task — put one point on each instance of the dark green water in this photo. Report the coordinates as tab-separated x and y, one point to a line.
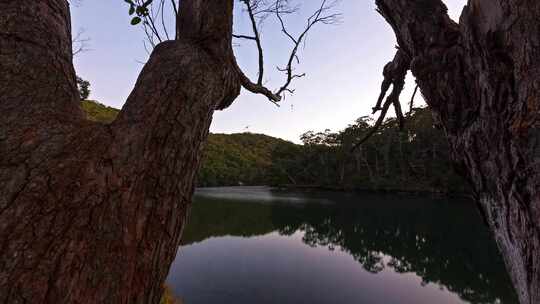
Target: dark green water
256	245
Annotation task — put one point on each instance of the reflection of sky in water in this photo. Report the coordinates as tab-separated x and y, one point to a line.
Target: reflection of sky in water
280	269
259	245
259	194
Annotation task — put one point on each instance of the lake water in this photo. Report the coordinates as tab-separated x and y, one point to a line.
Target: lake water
258	245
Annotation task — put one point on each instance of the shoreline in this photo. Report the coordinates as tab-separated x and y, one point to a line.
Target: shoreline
338	189
396	191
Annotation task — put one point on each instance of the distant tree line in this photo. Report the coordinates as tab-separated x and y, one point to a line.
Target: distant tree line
414	160
239	159
84	88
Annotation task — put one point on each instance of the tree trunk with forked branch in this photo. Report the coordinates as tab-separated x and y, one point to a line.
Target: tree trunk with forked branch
481	78
93	213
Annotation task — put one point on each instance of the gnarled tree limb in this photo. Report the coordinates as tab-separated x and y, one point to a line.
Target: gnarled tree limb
481	79
411	103
394	75
260	10
94	213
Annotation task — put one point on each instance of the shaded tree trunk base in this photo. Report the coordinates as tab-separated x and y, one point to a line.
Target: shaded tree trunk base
92	213
481	79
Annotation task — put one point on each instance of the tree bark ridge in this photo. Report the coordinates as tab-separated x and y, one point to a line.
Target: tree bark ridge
481	79
93	213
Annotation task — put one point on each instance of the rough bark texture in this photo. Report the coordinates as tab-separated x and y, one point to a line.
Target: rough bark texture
93	213
481	78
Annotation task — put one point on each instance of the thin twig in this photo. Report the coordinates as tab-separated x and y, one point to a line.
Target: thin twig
163	19
257	37
411	104
259	10
80	43
244	37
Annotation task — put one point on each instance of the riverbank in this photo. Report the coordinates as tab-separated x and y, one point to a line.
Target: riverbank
396	191
427	193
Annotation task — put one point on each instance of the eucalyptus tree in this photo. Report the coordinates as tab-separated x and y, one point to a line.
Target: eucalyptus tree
93	213
481	79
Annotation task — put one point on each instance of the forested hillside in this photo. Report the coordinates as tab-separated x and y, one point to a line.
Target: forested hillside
96	111
239	159
415	160
229	160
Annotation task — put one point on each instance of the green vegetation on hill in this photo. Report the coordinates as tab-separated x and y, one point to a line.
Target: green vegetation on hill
99	112
228	160
238	159
415	160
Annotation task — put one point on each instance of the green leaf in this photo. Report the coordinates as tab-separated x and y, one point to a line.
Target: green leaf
135	20
131	10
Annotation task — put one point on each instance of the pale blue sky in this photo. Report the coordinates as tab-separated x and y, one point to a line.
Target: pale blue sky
343	64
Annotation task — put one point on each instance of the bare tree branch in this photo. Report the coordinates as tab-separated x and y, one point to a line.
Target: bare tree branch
162	8
258	89
154	18
259	10
394	75
376	126
321	15
80	43
244	37
149	21
175	9
411	103
257	39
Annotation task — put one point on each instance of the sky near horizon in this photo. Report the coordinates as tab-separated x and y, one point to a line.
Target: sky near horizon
343	65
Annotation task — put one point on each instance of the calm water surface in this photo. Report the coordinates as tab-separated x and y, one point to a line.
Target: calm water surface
257	245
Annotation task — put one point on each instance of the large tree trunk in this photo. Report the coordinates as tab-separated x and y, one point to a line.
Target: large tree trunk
481	78
93	213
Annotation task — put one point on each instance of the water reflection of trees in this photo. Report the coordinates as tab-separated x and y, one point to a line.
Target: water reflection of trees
442	243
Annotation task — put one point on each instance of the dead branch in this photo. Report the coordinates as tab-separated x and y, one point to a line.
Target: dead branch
411	103
152	16
244	37
257	38
258	11
80	43
378	124
394	74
